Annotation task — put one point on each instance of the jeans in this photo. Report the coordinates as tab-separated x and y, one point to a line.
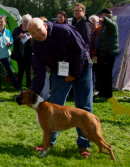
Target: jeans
8	66
83	96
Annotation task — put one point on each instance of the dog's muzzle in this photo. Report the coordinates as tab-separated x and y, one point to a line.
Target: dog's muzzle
18	99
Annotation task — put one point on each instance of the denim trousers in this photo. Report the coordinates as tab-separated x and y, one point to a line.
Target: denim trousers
8	66
83	96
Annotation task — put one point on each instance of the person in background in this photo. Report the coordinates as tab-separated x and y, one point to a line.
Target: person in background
6	41
94	50
24	51
61	18
82	23
109	48
59	45
43	18
84	27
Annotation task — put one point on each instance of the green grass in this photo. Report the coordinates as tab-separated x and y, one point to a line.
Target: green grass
19	133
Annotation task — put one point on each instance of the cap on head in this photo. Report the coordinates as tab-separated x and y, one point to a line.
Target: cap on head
105	10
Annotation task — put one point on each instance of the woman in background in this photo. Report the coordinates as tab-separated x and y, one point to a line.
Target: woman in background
6	41
94	51
61	18
24	51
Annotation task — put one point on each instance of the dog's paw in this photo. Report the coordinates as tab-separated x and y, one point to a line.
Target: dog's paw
39	151
40	156
44	153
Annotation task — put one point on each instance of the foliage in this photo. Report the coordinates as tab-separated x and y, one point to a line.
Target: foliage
19	133
49	8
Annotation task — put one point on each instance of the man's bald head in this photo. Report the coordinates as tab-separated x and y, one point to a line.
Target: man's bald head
35	20
37	28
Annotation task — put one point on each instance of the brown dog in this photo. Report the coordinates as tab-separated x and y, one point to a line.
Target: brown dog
53	117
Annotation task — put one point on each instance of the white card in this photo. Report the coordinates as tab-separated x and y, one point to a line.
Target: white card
63	68
25	39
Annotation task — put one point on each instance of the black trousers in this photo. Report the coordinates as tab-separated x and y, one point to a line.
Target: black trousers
105	75
25	65
96	80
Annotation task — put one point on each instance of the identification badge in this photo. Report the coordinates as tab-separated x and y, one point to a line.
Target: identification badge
63	68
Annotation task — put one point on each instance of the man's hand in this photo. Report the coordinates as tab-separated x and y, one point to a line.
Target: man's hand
101	19
69	78
21	36
9	44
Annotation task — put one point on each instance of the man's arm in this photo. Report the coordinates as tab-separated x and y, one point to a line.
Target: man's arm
85	32
110	24
39	69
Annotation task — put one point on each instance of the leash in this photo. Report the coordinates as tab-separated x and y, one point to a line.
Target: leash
55	90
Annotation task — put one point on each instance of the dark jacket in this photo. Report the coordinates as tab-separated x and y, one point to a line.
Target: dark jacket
18	46
63	43
84	28
109	38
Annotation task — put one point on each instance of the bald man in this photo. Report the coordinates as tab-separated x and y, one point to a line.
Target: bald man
62	48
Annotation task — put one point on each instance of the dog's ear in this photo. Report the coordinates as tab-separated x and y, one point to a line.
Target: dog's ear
33	98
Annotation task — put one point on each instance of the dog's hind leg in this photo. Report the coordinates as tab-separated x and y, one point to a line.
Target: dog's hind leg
106	146
95	135
46	142
102	144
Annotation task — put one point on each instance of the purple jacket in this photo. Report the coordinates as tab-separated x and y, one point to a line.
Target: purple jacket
63	43
65	22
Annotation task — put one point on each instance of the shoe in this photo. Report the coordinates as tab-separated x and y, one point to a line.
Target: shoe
84	152
95	93
39	148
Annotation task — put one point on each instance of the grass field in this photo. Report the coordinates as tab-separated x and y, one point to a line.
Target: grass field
20	133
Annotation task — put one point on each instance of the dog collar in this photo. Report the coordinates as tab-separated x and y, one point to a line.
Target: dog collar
39	100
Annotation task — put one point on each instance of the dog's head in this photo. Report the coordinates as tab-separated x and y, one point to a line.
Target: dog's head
27	97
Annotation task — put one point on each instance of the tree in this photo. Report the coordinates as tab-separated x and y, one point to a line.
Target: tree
50	8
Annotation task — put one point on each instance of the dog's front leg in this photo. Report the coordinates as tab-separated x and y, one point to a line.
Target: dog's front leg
45	143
